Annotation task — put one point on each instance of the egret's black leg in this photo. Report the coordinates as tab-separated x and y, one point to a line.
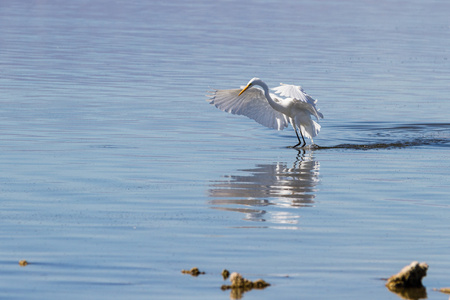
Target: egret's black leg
299	142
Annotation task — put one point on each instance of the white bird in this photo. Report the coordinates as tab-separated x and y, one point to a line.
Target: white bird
271	110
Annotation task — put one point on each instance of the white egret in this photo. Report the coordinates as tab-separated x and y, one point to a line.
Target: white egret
271	110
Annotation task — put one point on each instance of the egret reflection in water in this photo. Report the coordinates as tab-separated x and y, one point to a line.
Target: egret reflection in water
269	192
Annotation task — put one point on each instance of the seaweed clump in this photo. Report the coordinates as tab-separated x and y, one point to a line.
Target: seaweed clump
23	263
239	282
409	277
194	272
408	282
225	274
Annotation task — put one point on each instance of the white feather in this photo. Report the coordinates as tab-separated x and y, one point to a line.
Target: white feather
251	104
270	110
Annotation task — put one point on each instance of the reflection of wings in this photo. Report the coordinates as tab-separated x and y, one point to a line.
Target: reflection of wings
266	185
293	185
252	104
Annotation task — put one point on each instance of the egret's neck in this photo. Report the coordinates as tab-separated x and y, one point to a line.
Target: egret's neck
275	105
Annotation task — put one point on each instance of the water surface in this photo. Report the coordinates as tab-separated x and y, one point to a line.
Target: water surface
117	173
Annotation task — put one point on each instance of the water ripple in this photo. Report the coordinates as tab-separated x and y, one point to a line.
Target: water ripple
389	145
389	136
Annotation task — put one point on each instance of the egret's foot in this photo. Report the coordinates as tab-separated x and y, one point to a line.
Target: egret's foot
305	146
298	146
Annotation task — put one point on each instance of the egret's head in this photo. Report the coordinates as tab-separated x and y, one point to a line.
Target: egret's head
249	84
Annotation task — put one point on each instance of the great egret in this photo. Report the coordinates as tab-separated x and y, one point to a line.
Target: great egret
270	110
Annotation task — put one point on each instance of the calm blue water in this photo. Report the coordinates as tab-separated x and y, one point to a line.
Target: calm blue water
117	174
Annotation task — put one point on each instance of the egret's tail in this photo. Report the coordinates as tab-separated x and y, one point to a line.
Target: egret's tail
311	129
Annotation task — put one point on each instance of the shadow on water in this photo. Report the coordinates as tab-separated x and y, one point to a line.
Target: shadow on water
274	185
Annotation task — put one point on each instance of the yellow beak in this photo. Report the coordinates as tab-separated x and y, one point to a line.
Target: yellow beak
244	89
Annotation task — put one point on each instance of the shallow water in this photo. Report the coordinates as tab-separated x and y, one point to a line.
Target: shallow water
117	173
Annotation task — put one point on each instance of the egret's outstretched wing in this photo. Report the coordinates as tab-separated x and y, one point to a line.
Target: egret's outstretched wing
252	104
293	91
296	92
